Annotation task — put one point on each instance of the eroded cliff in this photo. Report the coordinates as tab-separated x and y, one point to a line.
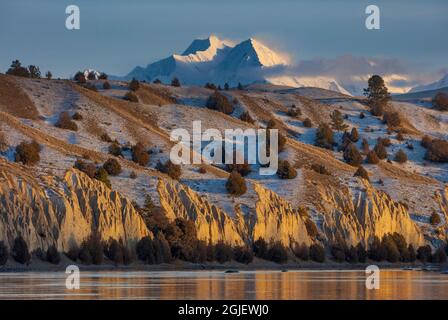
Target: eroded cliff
63	212
442	199
368	213
272	218
212	223
276	220
50	210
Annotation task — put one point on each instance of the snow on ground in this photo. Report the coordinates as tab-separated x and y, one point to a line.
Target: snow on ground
289	189
303	134
314	93
371	128
425	119
136	189
117	90
214	189
418	197
96	119
415	194
191	96
51	161
52	100
51	103
13	138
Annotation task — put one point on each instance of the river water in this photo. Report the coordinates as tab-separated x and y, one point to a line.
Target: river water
217	285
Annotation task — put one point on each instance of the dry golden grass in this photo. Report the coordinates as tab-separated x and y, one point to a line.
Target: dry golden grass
65	147
395	172
256	110
405	125
314	182
150	94
18	170
135	115
314	110
306	155
129	112
92	127
14	100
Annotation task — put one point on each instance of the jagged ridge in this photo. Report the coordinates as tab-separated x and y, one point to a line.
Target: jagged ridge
370	213
63	212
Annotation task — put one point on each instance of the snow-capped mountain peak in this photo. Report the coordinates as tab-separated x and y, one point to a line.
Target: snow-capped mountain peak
266	56
220	61
251	53
212	43
203	50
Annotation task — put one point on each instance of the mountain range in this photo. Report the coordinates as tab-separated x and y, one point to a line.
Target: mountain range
220	61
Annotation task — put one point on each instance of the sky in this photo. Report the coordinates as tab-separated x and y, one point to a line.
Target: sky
116	36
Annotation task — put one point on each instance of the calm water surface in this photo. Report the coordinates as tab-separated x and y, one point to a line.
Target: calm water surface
394	284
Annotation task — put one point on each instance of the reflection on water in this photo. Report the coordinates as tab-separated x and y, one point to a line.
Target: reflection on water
217	285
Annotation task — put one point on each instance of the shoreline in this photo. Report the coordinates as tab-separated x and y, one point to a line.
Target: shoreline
41	266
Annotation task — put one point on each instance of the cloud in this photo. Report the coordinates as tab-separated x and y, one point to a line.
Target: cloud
352	72
349	65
